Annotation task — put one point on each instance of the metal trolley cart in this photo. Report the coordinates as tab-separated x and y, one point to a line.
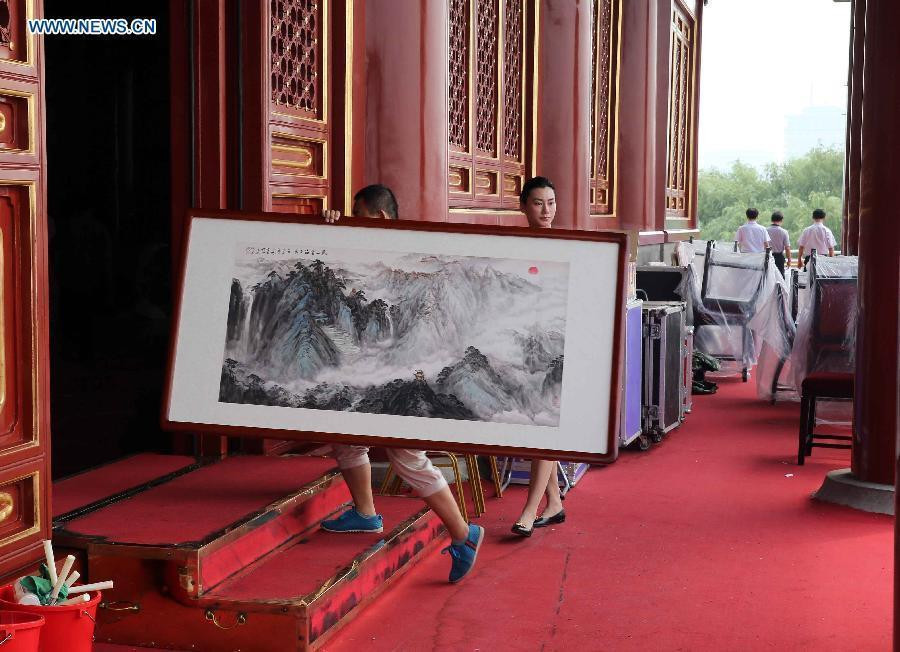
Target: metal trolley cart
663	393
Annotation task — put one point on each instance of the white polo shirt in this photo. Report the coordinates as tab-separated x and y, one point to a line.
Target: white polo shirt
780	238
816	236
752	238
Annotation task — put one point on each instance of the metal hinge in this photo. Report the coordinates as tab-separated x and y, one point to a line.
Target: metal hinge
650	411
655	331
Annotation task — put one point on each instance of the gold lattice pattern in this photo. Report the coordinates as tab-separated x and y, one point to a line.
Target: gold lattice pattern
486	80
679	114
459	74
604	44
295	54
512	80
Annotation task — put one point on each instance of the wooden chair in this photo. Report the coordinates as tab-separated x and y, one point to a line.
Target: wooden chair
829	358
392	483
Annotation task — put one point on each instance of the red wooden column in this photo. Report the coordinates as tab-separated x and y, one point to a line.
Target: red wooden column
637	142
850	235
406	104
564	106
877	383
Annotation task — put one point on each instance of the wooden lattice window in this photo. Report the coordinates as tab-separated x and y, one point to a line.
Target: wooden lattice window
604	62
681	115
487	110
299	125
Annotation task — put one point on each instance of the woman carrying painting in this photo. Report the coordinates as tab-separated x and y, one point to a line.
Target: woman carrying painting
538	201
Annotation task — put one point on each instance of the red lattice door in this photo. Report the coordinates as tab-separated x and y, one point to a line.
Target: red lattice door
24	295
298	96
488	107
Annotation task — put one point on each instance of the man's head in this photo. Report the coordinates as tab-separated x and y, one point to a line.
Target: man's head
375	201
777	218
538	201
818	214
752	213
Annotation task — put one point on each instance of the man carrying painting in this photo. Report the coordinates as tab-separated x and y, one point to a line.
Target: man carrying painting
413	466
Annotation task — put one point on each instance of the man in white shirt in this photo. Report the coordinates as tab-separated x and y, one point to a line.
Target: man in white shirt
752	237
781	242
816	236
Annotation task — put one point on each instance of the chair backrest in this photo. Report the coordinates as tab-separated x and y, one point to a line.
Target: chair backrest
732	281
833	317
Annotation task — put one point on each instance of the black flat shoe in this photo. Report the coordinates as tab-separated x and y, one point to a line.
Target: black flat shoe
521	530
559	517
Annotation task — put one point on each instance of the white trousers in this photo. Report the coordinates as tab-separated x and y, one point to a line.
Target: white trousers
413	466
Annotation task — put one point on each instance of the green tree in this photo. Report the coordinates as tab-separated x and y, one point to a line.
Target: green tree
794	187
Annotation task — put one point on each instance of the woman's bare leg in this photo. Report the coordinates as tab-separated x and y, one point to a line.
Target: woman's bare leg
554	499
541	470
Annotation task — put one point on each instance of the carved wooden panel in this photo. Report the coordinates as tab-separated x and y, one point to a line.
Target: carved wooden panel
297	204
299	119
487	132
513	80
14	122
295	155
16	346
681	108
13	41
458	120
459	178
487	69
297	56
20	500
604	62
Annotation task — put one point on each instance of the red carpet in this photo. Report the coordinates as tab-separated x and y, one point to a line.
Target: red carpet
85	488
204	501
708	541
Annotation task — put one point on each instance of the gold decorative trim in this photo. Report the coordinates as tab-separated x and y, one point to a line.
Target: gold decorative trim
535	86
613	200
2	327
29	40
292	195
348	107
36	494
303	151
487	211
307	139
30	106
6	505
37	409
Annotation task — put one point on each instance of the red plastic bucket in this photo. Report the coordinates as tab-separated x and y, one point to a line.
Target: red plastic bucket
69	628
20	631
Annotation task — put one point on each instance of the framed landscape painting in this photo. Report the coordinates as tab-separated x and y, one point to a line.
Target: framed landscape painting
396	333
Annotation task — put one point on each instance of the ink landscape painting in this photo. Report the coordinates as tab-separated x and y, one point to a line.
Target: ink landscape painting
419	335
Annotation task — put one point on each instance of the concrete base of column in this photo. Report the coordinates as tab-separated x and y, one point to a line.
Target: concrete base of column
843	488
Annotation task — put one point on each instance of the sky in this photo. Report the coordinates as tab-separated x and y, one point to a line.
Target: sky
764	61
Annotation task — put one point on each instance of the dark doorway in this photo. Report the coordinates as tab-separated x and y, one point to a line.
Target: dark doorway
108	196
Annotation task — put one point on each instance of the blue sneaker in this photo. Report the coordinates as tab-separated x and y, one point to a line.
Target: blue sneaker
353	521
464	554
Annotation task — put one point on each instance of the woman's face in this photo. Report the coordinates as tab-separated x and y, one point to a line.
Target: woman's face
540	208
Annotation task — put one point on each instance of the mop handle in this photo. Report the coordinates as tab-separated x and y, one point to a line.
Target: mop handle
97	586
51	562
62	577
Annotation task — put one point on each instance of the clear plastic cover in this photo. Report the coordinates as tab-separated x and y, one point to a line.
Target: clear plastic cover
739	302
826	326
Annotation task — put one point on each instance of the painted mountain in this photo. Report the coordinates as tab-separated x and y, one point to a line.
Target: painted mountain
449	337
